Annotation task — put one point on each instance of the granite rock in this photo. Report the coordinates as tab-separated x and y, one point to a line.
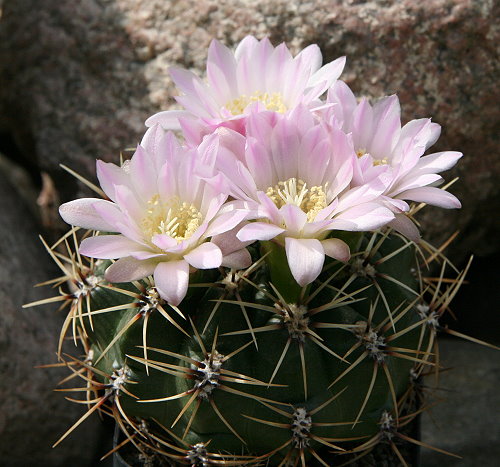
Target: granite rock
32	416
90	72
465	422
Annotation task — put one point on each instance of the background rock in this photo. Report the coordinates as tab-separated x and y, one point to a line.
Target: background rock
465	422
32	416
77	80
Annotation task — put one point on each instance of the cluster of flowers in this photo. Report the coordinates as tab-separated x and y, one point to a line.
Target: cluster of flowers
275	148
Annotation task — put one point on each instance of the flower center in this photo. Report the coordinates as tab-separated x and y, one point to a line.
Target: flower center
272	101
361	152
294	191
174	217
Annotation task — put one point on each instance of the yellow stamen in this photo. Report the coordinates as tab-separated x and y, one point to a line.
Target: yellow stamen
175	218
362	152
294	191
272	101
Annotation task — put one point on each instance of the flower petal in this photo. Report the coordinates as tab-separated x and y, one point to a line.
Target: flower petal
164	241
258	231
110	176
293	217
81	212
438	162
205	256
431	195
327	73
305	258
171	280
239	259
167	119
336	248
108	246
405	226
228	242
129	269
225	222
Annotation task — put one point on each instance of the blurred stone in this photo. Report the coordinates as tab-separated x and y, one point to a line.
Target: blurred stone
90	72
465	423
32	416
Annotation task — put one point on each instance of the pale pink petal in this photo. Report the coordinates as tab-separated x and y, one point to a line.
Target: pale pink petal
221	71
211	205
342	95
435	132
294	82
194	130
147	254
415	180
108	246
431	195
185	80
293	217
438	162
121	223
239	259
172	280
387	115
164	241
396	205
129	204
110	176
336	248
152	138
129	269
405	226
205	256
311	57
328	73
267	209
327	212
82	213
193	104
314	167
205	98
305	258
258	231
259	162
143	174
362	125
245	47
366	216
228	242
285	145
167	119
225	222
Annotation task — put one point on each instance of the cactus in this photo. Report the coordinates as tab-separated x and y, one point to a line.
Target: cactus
213	338
238	374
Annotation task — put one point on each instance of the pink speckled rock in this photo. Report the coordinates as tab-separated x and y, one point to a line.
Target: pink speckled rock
79	78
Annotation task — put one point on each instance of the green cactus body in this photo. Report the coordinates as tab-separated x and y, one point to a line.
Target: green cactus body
258	367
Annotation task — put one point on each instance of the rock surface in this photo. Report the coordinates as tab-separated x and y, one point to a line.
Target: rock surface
466	421
32	416
90	72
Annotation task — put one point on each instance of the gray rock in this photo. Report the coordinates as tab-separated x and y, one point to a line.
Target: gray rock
466	421
32	416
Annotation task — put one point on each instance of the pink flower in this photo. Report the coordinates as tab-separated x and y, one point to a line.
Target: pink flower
163	213
293	173
257	76
380	142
